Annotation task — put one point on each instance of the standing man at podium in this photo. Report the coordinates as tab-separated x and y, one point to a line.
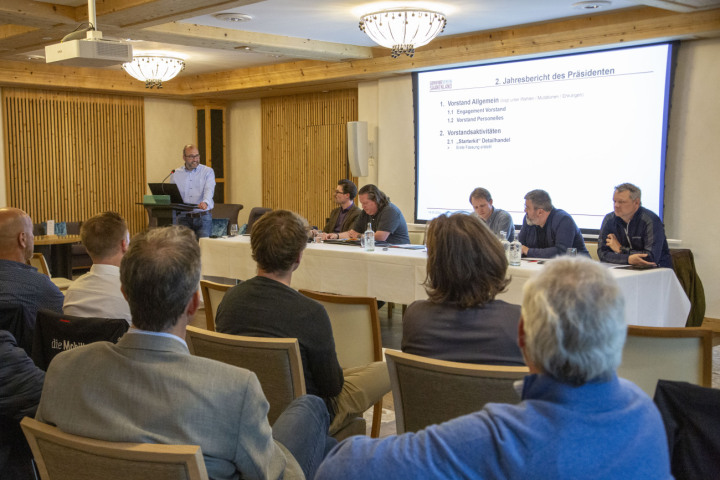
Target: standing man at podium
196	183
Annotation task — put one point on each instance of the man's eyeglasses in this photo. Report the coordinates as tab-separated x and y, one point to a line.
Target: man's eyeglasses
339	192
197	155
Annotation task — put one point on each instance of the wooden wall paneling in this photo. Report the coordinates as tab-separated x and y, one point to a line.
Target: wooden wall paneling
304	150
70	156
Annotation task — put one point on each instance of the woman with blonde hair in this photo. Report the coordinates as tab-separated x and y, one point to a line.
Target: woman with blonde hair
461	320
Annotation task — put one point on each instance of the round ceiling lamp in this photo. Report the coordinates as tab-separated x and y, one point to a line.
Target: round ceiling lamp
403	29
154	70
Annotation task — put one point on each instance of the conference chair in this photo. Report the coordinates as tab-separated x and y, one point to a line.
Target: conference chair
228	211
679	354
16	320
212	294
692	423
275	361
56	332
428	391
62	456
38	261
356	331
255	213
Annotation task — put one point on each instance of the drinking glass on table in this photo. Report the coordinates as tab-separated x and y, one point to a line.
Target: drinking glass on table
233	229
572	252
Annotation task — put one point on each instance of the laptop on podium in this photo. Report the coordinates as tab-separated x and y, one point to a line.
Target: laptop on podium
169	189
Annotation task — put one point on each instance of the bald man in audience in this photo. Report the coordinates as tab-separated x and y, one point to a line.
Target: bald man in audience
575	419
21	284
97	293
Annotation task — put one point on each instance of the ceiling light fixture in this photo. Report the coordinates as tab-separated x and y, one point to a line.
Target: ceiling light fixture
591	5
233	17
154	70
403	29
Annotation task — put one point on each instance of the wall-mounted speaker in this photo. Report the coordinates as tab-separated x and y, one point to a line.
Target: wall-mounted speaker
357	148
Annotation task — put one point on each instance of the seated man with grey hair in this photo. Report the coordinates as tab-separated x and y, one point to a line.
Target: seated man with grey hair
149	388
548	231
631	234
576	419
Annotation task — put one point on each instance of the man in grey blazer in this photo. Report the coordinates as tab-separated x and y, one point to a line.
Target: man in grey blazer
148	388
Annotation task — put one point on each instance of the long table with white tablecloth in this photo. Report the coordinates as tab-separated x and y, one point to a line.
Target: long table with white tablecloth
652	297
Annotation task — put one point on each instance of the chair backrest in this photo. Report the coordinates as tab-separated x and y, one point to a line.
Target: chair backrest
679	354
62	456
229	211
275	361
38	261
56	332
212	294
16	320
356	327
428	391
255	213
692	425
417	238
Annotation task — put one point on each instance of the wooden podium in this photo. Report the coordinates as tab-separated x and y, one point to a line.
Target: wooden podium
160	215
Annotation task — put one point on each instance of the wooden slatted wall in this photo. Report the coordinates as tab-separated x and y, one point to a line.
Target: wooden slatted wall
70	156
304	142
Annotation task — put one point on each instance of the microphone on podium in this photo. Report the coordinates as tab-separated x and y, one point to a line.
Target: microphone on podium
168	175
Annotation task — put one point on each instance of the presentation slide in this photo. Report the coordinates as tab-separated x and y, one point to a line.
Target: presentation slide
573	125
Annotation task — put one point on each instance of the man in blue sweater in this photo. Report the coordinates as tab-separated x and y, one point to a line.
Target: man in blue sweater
548	231
632	234
577	419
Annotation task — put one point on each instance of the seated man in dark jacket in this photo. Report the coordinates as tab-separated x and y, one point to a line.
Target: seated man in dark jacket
548	231
632	234
21	383
343	217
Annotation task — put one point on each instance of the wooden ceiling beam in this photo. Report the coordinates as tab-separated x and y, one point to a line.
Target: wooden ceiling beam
220	38
36	14
136	14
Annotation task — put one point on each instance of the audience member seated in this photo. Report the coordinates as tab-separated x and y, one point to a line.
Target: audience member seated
20	386
632	234
21	284
148	388
498	220
548	231
266	306
461	321
577	419
97	293
386	219
344	216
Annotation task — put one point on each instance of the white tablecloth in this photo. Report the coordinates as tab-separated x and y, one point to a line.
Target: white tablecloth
652	297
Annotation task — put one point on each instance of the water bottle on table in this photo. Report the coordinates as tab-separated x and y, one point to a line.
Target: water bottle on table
368	242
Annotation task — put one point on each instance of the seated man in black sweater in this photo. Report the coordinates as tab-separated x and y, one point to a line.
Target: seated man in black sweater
266	306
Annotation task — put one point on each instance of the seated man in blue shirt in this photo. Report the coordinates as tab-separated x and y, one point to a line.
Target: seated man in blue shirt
576	419
21	284
548	231
196	183
632	234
